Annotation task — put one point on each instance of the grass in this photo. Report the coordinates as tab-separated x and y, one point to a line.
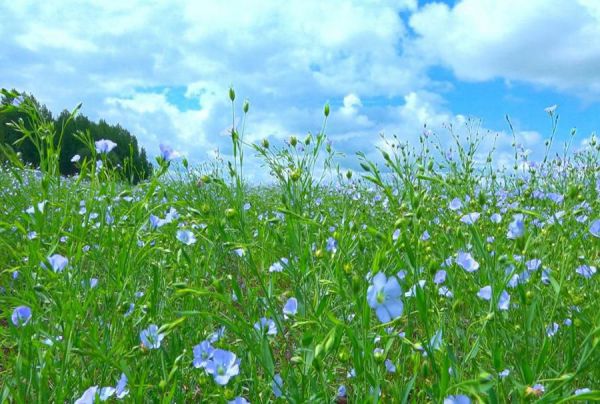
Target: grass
124	274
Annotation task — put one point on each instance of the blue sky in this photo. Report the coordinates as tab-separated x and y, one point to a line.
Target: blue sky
163	70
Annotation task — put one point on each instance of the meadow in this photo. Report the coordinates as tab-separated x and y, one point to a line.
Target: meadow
434	276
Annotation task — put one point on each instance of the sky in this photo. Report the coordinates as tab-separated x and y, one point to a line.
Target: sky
163	69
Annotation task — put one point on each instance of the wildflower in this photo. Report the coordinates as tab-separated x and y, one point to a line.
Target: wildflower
58	262
466	261
504	373
121	387
458	399
413	290
203	352
396	235
516	228
351	373
383	295
496	218
156	222
444	291
595	228
440	277
277	385
455	204
537	390
266	325
551	109
223	366
586	271
332	245
151	338
389	366
217	335
239	400
105	146
239	252
21	316
186	237
75	158
582	391
167	153
88	396
470	218
171	215
436	341
545	276
341	392
551	330
485	293
425	236
504	302
291	307
533	265
278	266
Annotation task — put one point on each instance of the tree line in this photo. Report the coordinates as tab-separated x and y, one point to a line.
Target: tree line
127	156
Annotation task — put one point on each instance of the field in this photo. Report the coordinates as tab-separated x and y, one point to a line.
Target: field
429	277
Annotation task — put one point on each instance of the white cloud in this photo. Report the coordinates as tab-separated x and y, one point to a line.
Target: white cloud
551	43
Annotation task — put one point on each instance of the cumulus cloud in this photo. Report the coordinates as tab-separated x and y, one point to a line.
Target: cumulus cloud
534	41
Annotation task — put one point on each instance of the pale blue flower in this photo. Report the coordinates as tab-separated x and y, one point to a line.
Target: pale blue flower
396	235
332	245
470	218
504	373
88	396
186	237
277	385
342	391
266	325
291	307
436	341
440	277
458	399
279	265
239	400
223	366
389	366
151	338
584	390
455	204
58	262
425	236
516	228
105	146
496	218
203	352
121	390
587	271
504	302
595	228
167	153
444	291
21	316
485	293
533	265
156	222
465	261
383	295
551	330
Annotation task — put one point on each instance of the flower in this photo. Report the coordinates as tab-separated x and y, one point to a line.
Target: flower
342	391
444	291
455	204
504	373
582	391
466	261
458	399
75	158
383	295
121	387
291	307
551	109
277	385
239	400
516	228
504	302
551	330
21	316
389	366
186	237
496	218
533	265
278	266
332	245
266	325
440	277
485	293
537	390
586	271
151	338
156	222
167	153
203	352
58	262
105	146
595	228
223	366
396	235
470	218
88	396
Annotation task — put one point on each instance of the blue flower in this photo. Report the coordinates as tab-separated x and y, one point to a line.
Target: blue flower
291	307
332	245
341	391
504	302
58	262
533	265
88	396
389	366
279	265
105	146
383	295
440	277
396	235
470	218
21	316
277	385
266	325
150	337
504	373
516	228
121	387
167	153
485	293
465	261
223	366
551	330
445	291
496	218
458	399
239	400
425	236
595	228
582	391
186	237
455	204
203	352
587	271
156	222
